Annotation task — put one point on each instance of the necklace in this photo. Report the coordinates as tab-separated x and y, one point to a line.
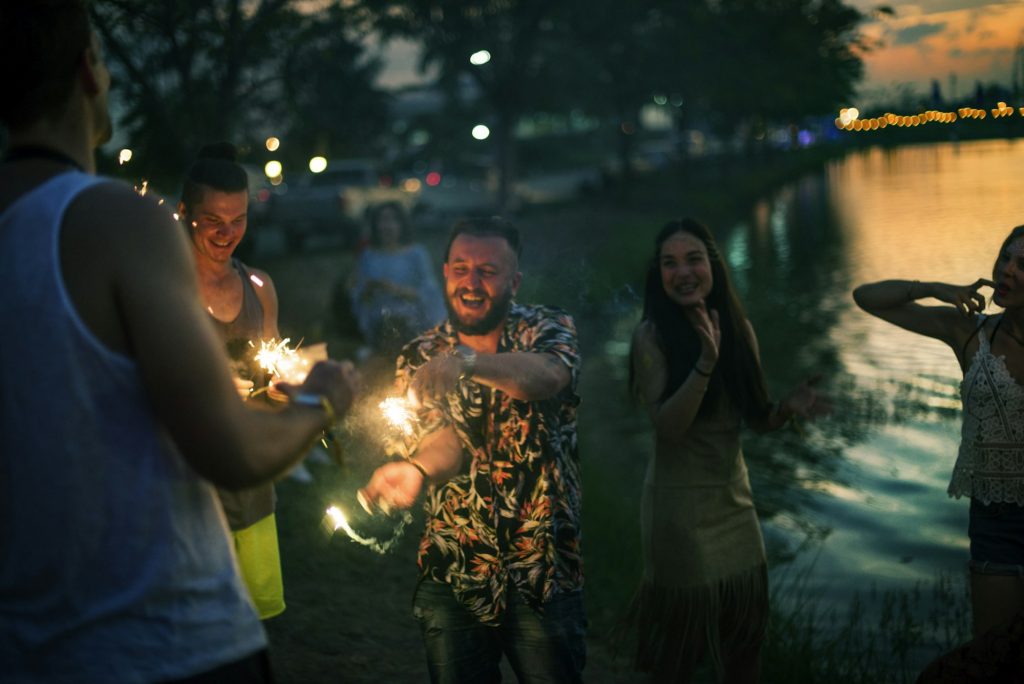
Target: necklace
39	152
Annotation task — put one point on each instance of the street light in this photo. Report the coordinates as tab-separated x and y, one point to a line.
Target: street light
481	132
317	164
480	57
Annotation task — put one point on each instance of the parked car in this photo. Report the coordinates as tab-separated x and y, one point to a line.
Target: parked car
449	191
334	202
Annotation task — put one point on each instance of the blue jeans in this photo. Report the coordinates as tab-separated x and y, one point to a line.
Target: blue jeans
540	648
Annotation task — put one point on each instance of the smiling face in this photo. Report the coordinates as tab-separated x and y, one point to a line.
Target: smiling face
1008	275
481	277
218	224
685	269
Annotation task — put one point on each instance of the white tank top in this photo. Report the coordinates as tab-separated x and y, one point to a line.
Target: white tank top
990	465
115	564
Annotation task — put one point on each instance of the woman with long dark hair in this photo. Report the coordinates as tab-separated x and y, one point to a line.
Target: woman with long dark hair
694	365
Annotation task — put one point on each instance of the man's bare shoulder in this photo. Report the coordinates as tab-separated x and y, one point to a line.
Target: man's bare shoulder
116	204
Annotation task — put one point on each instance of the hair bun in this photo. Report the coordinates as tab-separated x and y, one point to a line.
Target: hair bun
219	150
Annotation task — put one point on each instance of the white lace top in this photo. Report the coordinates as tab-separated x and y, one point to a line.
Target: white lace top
990	465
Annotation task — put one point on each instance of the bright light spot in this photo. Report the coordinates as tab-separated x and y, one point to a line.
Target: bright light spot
660	99
124	156
848	115
317	164
175	215
411	185
481	132
433	178
255	280
273	143
480	57
272	168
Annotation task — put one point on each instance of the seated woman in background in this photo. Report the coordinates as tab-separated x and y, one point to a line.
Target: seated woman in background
395	293
695	366
990	465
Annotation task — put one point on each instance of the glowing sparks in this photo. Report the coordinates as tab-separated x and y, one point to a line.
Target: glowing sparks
278	359
143	189
255	280
334	520
398	413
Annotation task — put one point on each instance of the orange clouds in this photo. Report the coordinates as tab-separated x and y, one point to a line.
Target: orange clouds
974	44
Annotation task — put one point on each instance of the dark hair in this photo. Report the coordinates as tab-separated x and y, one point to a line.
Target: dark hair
737	372
214	168
405	228
41	45
1017	232
493	226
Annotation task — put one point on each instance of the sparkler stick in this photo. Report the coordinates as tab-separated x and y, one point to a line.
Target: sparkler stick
334	519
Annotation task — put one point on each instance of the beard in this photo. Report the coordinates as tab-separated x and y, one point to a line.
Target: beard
492	319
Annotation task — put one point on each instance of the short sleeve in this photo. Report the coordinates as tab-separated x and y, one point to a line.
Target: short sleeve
554	332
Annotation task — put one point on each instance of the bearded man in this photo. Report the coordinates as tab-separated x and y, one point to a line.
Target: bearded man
495	447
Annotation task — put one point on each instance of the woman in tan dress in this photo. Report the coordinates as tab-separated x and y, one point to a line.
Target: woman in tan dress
694	365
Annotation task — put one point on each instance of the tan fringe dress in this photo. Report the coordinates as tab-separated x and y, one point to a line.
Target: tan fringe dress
705	585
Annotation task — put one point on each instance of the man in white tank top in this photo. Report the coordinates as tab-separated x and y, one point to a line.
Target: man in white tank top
117	410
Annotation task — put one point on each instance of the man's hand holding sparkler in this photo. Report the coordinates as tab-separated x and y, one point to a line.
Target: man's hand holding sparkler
398	484
335	381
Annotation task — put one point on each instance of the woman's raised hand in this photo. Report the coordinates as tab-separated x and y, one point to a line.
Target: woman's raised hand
965	298
705	322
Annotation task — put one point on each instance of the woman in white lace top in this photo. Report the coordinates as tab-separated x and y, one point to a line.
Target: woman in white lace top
990	466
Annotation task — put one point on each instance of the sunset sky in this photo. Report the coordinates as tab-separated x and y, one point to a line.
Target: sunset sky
971	39
926	39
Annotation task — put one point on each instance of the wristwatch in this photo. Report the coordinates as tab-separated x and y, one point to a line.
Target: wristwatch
468	358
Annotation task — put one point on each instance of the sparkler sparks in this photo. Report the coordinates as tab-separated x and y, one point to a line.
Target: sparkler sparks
398	413
334	519
278	359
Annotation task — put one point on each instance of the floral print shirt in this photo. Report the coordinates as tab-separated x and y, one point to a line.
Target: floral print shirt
511	517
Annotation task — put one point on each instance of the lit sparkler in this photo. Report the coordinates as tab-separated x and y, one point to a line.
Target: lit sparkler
278	359
398	413
334	519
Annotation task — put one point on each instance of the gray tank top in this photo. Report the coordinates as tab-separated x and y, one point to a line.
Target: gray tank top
248	506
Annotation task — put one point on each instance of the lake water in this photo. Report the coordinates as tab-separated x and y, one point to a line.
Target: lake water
869	483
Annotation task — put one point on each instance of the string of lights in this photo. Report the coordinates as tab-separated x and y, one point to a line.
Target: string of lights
849	117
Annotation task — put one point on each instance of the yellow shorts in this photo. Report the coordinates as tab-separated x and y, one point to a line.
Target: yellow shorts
259	561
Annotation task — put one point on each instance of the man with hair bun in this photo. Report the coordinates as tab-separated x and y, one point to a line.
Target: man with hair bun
117	410
242	303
